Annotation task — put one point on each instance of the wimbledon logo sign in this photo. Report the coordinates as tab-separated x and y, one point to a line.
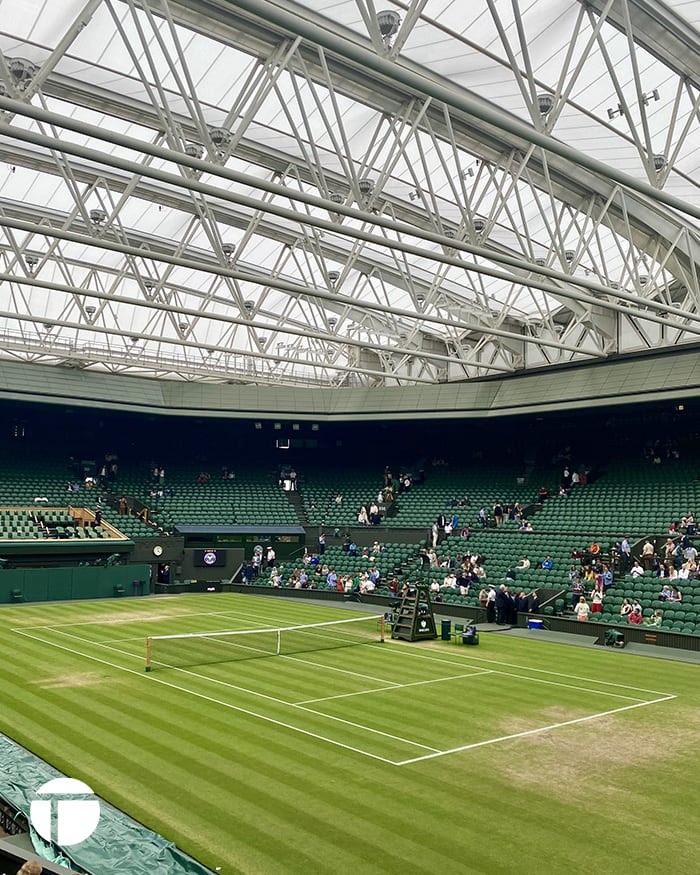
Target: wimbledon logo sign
66	811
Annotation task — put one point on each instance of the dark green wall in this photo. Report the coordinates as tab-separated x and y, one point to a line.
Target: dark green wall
60	584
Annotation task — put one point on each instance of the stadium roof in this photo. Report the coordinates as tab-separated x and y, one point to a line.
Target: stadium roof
342	194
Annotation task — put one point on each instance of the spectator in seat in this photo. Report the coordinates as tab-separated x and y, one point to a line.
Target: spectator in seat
547	563
655	619
625	608
636	570
635	617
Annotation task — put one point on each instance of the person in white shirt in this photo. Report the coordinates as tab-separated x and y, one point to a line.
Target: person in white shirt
582	609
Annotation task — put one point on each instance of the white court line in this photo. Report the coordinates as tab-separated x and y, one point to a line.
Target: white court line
545	681
456	677
442	753
257	694
206	698
464	656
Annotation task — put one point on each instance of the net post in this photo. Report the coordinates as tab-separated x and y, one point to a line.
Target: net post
149	647
382	624
279	641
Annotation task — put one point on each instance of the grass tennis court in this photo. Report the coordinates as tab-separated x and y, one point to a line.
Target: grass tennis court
514	756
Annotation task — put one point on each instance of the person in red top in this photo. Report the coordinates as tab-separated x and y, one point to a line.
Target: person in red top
635	617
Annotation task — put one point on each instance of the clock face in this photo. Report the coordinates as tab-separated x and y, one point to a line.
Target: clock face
157	550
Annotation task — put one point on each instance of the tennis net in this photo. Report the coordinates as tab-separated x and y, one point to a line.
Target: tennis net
201	648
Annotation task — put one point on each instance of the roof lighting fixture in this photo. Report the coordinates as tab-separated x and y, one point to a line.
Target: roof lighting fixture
220	136
21	70
194	150
388	21
545	102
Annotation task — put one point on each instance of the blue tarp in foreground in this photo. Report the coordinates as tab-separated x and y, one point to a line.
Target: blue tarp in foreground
118	845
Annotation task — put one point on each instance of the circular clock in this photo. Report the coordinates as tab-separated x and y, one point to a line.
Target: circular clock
157	550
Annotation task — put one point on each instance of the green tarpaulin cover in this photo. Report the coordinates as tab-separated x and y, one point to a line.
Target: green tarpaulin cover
118	845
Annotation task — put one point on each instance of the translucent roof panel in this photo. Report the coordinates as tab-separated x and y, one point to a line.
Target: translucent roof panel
435	193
